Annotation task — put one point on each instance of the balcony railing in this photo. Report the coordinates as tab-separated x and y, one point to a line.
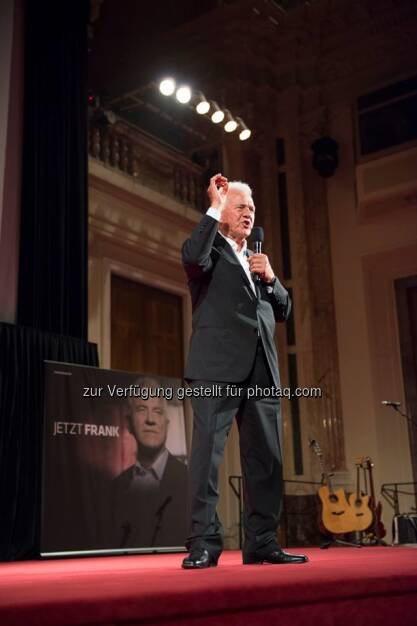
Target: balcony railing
152	163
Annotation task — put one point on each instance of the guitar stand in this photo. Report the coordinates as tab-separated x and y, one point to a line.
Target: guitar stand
339	542
372	540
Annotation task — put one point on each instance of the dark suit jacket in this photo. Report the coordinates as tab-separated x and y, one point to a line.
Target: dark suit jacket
226	313
136	516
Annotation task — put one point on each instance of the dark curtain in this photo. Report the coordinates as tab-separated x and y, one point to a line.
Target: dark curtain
22	352
53	244
52	296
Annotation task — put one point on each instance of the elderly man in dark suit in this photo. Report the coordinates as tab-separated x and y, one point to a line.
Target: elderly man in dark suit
236	299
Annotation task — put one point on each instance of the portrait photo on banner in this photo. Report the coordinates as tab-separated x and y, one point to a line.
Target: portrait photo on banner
114	472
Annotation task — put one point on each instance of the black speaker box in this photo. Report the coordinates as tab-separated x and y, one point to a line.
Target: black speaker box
405	528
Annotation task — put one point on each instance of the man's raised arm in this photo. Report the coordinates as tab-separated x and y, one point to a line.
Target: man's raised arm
196	249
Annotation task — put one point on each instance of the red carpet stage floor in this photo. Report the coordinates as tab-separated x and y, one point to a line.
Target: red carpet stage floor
367	586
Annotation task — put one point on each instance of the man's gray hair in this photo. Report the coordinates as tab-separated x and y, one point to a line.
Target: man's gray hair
239	186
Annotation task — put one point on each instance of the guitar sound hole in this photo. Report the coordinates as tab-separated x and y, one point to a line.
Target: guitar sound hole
333	498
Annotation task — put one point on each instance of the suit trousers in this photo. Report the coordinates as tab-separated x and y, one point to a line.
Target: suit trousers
258	418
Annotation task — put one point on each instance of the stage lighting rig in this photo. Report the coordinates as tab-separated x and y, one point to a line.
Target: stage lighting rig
201	105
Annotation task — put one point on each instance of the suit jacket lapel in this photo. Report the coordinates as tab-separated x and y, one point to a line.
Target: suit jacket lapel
226	250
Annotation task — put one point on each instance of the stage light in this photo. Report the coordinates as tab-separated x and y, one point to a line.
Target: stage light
183	94
167	86
202	106
218	115
245	132
325	156
231	123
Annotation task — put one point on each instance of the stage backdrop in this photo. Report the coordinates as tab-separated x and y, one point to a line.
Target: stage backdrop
114	454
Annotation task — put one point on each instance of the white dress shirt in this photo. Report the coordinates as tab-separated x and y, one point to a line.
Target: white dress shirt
242	254
145	478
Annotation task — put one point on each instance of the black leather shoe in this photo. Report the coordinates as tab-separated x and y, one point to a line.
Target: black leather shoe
199	559
276	556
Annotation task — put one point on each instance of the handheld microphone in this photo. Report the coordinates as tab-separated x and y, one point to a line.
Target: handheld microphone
257	238
390	403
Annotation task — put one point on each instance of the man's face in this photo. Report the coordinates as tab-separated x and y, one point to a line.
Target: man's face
238	214
149	422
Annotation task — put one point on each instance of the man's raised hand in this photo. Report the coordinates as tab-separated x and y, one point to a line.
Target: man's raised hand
217	191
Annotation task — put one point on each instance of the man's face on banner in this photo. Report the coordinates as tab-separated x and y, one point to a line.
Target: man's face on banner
149	423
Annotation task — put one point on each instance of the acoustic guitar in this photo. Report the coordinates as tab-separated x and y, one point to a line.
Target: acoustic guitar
337	516
359	504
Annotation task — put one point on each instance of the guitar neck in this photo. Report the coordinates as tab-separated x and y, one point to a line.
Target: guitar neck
358	490
325	476
371	483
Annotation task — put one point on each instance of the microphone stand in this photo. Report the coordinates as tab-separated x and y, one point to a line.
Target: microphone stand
407	417
412	421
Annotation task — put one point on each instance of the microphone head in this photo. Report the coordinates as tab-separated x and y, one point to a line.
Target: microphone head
257	234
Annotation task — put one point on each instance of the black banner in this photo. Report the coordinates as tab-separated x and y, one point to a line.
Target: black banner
114	454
